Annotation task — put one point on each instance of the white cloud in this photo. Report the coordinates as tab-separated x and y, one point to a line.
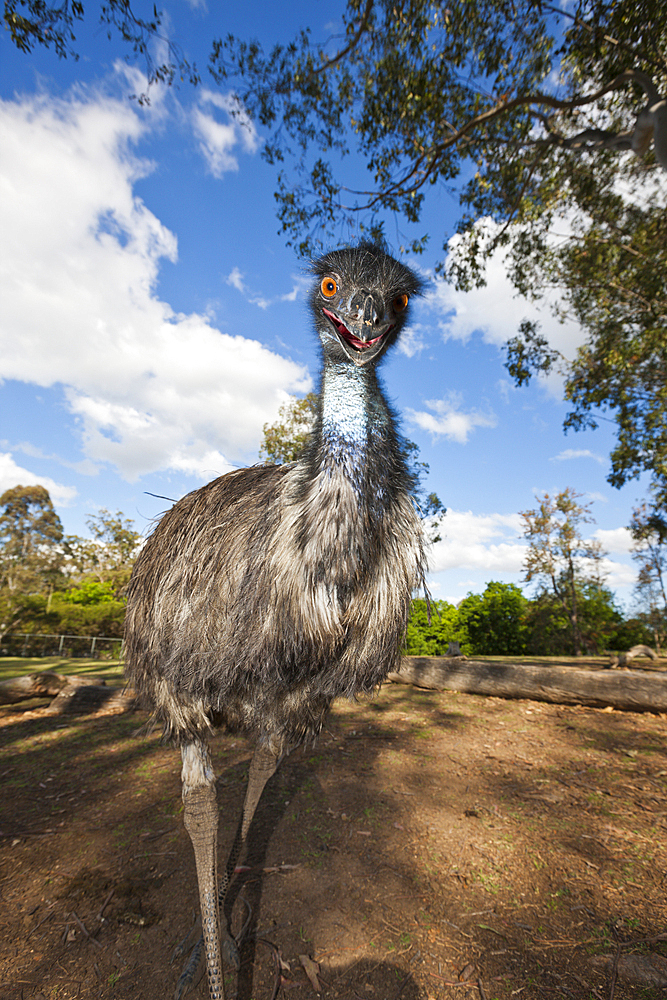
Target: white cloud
505	388
495	311
617	540
218	139
301	284
412	341
479	541
152	389
491	546
617	574
448	419
235	279
12	475
594	495
569	453
83	468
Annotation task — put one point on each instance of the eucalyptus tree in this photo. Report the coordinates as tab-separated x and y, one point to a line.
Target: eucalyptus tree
510	97
558	556
108	556
30	536
30	553
549	125
648	528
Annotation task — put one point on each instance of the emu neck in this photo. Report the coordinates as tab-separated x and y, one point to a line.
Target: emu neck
356	426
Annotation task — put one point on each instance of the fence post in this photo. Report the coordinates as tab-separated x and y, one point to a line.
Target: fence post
92	646
60	647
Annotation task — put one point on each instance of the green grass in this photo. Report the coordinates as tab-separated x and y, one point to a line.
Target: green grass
18	666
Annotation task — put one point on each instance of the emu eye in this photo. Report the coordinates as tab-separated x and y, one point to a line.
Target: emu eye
328	287
400	303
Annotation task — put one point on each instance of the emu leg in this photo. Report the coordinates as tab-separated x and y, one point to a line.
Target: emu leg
201	822
262	766
196	763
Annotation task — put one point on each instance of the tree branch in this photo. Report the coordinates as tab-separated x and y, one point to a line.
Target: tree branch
592	31
652	121
348	48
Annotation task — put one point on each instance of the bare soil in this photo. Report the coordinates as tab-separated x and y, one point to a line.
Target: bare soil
431	845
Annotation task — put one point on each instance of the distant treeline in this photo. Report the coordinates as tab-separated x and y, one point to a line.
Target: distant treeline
503	622
52	583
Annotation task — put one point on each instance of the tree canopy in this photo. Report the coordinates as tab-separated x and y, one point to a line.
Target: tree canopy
30	533
520	91
511	97
54	25
494	620
285	439
51	582
648	528
548	124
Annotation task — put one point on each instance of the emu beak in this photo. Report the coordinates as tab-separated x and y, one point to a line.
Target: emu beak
362	339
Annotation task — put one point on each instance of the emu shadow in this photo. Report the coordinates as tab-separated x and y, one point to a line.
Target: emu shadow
280	790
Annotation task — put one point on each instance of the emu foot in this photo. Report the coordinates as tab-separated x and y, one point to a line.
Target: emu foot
230	952
194	969
187	943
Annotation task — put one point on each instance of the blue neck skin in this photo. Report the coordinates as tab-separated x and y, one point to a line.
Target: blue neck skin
355	422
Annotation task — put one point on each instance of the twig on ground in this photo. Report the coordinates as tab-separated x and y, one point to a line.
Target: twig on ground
276	954
49	914
454	982
100	915
402	986
85	930
614	972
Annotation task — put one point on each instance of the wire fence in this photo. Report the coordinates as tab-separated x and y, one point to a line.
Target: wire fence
98	647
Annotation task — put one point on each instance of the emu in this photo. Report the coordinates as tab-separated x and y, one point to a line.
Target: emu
264	595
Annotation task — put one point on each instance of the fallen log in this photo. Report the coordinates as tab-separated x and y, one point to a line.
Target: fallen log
622	659
631	690
70	694
39	685
78	699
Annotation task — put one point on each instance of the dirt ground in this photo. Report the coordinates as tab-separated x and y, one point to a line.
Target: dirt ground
431	845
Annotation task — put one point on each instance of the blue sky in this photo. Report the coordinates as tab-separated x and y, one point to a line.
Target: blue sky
153	320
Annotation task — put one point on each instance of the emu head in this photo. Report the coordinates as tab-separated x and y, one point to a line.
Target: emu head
360	301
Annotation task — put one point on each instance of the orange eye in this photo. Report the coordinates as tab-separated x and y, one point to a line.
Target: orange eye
328	288
400	303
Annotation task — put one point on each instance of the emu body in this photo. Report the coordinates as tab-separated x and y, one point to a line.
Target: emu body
271	591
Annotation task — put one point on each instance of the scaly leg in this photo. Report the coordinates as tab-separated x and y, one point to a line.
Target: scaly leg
201	822
197	762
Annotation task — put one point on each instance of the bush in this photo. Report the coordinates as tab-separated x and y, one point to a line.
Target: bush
494	620
424	638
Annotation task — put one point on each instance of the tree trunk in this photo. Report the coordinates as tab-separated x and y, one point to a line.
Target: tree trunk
632	690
